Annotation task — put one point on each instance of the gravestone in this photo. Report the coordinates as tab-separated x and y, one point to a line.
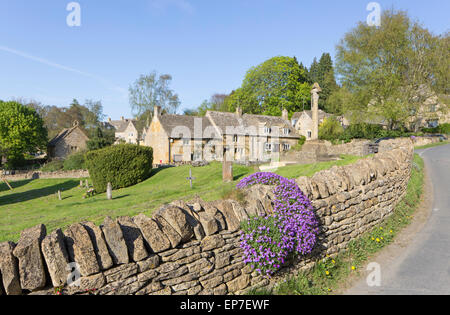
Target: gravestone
227	171
109	191
190	178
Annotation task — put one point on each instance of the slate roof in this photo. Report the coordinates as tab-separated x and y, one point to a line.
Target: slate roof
322	114
63	134
170	122
248	124
120	125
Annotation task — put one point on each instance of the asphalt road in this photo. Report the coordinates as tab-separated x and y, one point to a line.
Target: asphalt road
423	266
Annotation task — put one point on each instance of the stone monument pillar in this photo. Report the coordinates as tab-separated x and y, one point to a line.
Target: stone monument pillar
315	110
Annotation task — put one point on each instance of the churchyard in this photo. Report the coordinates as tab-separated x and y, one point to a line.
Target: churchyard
34	202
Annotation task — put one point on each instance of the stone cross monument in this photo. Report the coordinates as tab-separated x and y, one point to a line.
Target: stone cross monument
315	110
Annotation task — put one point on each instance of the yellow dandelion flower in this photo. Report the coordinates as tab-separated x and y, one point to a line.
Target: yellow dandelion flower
353	268
327	273
378	240
333	261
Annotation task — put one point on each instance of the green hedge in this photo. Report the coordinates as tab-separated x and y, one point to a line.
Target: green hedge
122	165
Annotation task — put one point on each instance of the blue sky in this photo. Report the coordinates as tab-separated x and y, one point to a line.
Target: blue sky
206	45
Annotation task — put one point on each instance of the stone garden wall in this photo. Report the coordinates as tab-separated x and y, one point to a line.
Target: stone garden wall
22	175
193	248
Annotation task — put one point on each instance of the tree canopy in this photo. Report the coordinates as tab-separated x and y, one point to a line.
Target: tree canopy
275	84
385	67
22	132
152	90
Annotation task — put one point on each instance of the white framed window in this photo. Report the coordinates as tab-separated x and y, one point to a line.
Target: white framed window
309	134
286	146
268	146
267	130
286	131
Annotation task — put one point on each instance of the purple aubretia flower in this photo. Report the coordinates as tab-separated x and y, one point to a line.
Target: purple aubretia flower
268	241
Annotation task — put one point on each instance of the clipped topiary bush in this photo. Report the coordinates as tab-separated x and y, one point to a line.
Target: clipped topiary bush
122	165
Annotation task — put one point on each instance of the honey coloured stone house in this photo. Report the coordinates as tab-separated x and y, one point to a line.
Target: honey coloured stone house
178	138
303	122
125	130
68	141
254	138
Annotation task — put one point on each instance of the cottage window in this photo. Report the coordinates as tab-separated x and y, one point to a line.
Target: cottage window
268	146
267	130
186	141
286	146
309	134
235	139
286	131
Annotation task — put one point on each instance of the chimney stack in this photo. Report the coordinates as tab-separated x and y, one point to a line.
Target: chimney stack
123	118
239	111
157	111
285	115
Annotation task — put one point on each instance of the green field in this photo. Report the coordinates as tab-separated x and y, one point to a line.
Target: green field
35	201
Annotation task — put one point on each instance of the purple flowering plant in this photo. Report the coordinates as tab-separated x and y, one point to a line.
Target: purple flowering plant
291	230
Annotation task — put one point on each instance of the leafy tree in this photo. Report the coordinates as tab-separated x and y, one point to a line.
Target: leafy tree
217	103
314	75
385	67
89	116
337	101
271	86
99	140
330	129
22	132
152	90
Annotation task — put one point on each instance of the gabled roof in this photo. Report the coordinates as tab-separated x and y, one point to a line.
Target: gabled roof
322	114
63	134
171	122
248	124
121	125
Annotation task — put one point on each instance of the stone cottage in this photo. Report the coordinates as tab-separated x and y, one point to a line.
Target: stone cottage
177	138
303	122
125	130
68	141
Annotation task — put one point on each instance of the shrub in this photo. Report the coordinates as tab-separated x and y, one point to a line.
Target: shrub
444	129
330	129
53	166
299	145
268	242
75	161
122	165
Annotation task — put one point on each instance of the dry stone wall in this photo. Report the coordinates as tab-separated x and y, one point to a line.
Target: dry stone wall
21	175
193	248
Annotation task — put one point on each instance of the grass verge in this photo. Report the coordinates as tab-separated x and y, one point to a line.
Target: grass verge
432	145
329	273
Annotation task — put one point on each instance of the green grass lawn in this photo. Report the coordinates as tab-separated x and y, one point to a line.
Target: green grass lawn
35	202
